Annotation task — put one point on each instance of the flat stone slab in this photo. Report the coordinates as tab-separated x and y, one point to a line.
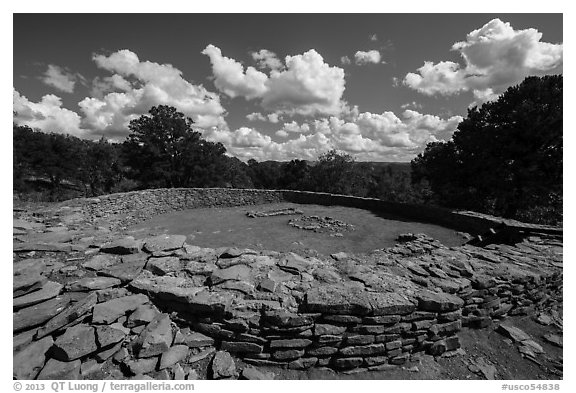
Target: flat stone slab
101	261
127	245
76	342
26	283
38	314
57	370
162	266
155	339
514	333
110	311
48	247
29	361
390	303
93	283
440	302
195	339
173	356
235	273
49	290
337	299
69	314
126	271
164	243
108	335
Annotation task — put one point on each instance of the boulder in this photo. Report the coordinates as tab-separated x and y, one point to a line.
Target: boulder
143	315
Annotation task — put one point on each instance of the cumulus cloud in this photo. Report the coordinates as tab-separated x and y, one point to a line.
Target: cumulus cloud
495	57
367	136
369	57
345	60
231	78
48	115
61	78
266	59
373	37
138	86
271	117
306	86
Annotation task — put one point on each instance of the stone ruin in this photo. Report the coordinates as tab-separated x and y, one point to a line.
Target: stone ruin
93	303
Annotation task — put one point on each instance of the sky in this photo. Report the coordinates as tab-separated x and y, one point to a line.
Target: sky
277	86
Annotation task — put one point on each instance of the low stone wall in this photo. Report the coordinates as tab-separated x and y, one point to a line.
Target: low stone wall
137	206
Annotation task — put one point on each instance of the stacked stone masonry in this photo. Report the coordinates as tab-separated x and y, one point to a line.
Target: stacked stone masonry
87	298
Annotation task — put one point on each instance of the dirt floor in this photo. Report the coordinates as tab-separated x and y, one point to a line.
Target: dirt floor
230	226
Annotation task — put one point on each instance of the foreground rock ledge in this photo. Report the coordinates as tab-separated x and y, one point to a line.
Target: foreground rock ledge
97	304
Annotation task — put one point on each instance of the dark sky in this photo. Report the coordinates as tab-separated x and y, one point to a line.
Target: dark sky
404	42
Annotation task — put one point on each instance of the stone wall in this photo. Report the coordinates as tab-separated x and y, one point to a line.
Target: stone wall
137	206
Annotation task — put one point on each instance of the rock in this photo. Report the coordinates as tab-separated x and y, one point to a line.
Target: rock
111	293
142	366
173	356
223	366
322	329
290	343
554	339
164	243
179	374
105	354
126	271
484	367
26	283
252	373
437	348
365	350
289	354
55	369
346	363
28	362
201	355
302	363
534	346
155	339
49	290
544	319
513	332
236	273
442	302
111	310
268	285
127	245
241	347
195	339
93	283
44	247
295	264
107	335
339	256
76	342
100	262
337	299
26	225
90	368
22	340
68	315
286	319
39	313
141	316
162	266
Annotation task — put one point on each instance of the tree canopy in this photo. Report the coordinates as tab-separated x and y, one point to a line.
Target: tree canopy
506	156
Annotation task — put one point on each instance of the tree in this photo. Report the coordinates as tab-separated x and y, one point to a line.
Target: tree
336	172
164	151
506	156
